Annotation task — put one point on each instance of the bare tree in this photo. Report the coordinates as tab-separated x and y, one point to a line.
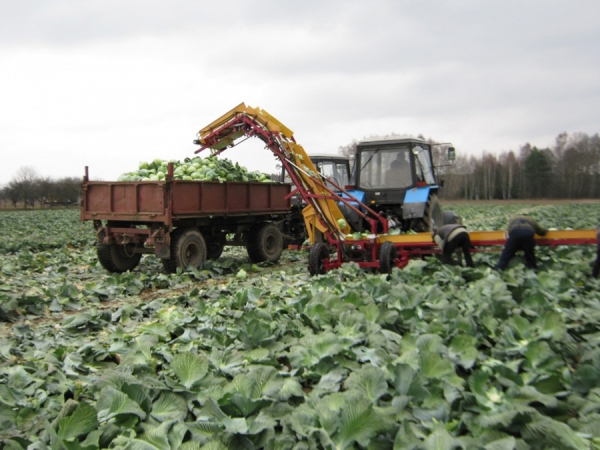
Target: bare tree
348	150
26	180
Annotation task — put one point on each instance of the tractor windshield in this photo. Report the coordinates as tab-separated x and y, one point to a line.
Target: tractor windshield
386	169
336	171
424	165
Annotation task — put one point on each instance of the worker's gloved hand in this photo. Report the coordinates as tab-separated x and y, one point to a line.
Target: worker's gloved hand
392	223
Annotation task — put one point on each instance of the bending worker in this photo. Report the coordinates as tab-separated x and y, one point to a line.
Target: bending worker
521	236
451	237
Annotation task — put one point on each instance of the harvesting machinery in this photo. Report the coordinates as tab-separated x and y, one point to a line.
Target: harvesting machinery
361	235
395	176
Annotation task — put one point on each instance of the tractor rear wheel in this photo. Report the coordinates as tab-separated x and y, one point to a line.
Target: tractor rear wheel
316	258
187	249
387	257
118	258
264	243
432	216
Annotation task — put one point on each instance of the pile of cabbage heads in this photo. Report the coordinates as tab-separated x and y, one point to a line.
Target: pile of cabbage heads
195	169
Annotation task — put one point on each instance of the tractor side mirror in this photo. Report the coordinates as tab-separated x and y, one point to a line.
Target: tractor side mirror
451	154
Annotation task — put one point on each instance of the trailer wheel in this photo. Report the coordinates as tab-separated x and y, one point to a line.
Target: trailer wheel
215	246
387	257
118	258
187	249
316	258
214	251
265	243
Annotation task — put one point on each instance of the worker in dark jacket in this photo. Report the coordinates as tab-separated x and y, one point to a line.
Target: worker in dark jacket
596	267
521	236
449	238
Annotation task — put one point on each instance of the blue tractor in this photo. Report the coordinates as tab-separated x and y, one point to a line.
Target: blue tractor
395	177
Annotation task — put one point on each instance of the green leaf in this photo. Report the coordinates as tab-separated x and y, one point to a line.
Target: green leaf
331	381
538	352
253	384
430	343
358	423
440	439
553	434
507	443
463	350
212	420
112	403
434	366
83	420
288	389
189	368
369	381
154	437
169	406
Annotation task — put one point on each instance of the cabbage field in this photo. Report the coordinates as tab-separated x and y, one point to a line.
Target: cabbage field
241	356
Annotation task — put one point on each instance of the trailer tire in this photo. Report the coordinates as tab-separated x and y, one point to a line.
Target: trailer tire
387	257
214	246
187	249
316	258
265	243
214	251
117	258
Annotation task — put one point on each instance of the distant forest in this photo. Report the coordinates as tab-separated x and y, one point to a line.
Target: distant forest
569	169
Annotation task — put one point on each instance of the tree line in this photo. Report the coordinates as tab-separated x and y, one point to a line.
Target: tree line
568	169
28	189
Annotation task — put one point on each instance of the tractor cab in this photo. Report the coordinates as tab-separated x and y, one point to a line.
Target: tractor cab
333	167
399	181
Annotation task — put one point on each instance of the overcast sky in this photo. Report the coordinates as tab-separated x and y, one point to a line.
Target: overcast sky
110	83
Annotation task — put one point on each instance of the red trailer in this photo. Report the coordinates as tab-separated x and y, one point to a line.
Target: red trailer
186	222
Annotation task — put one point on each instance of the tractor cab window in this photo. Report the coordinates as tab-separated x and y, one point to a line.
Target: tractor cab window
337	172
424	167
386	169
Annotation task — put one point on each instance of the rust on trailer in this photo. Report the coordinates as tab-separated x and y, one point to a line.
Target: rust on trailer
128	201
231	198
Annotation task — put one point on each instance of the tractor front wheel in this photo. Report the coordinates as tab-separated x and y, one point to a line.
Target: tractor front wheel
387	257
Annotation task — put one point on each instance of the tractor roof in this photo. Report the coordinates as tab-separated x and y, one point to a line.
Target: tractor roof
331	156
392	138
